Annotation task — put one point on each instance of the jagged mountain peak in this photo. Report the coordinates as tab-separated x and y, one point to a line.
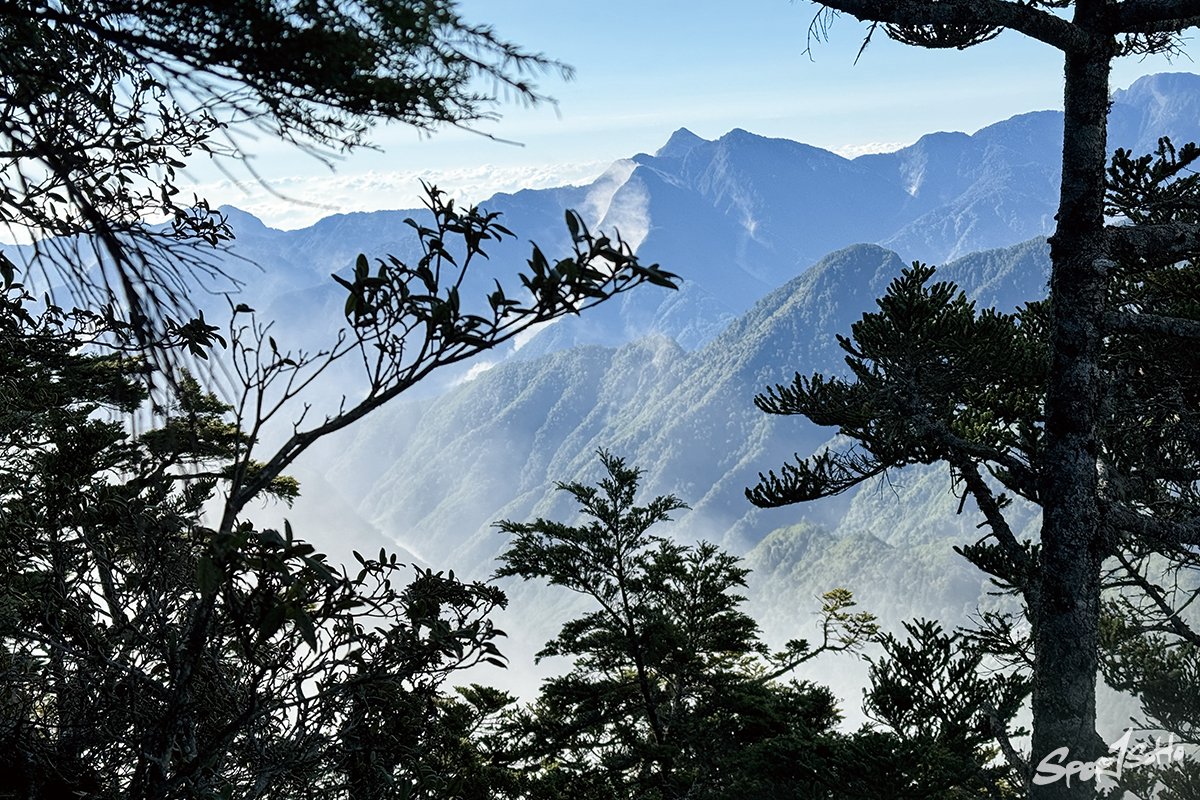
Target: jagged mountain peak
243	221
739	135
1166	104
1036	135
834	288
934	145
742	214
1157	87
680	144
740	139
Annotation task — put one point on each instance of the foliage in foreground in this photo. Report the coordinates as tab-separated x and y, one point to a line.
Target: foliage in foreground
933	379
105	101
145	656
671	693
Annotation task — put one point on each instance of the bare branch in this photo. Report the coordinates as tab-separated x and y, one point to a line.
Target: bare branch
1019	764
1182	533
1173	622
994	514
385	306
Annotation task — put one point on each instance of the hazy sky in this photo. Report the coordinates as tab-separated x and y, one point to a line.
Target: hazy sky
646	68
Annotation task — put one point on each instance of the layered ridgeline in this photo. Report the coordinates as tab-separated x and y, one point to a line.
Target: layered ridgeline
763	231
739	216
437	473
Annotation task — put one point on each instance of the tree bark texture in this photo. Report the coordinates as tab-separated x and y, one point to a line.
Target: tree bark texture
1066	626
1065	596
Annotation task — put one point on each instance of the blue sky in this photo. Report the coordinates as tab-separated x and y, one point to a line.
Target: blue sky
644	69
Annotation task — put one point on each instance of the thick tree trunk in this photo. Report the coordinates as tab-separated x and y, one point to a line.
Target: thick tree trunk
1067	619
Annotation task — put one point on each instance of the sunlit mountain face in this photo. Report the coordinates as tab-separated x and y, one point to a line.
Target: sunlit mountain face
781	246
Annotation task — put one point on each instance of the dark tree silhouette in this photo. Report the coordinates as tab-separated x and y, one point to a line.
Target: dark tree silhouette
933	379
143	653
1064	597
103	101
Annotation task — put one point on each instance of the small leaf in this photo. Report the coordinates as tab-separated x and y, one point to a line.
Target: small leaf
305	626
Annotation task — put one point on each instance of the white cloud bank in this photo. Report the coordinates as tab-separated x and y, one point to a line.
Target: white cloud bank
866	148
297	202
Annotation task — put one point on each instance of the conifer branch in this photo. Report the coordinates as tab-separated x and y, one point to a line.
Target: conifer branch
1154	16
1173	622
1033	22
1181	533
1154	245
992	510
1157	324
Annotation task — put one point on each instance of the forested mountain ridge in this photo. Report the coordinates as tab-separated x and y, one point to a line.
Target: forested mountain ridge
442	470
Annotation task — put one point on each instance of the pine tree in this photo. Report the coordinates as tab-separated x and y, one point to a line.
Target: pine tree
1066	608
672	694
933	379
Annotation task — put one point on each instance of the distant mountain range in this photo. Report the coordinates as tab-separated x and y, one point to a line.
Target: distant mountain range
739	216
782	246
